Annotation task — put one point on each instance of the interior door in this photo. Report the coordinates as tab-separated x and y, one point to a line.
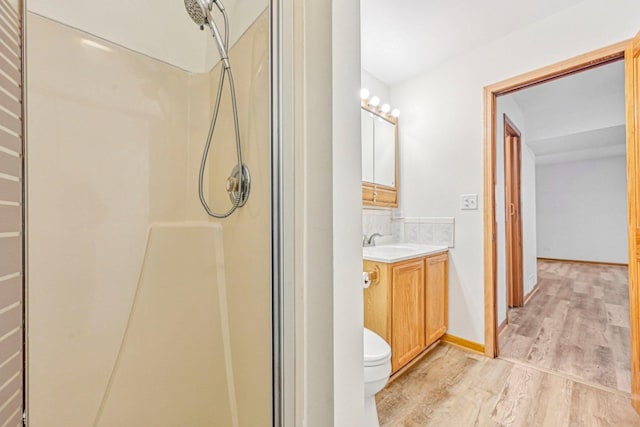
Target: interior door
512	150
11	215
632	73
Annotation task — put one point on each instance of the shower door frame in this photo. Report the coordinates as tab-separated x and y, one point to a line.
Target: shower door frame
283	231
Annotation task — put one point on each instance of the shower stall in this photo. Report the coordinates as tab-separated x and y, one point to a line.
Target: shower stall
124	299
154	272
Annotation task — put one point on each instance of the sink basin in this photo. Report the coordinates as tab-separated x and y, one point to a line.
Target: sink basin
400	252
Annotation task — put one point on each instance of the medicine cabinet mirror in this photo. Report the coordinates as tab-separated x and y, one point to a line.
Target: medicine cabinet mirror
379	158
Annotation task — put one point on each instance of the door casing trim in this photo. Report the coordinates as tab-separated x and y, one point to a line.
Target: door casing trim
570	66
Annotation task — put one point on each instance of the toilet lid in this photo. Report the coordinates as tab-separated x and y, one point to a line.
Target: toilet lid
376	350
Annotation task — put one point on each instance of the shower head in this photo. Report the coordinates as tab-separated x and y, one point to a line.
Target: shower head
196	12
200	13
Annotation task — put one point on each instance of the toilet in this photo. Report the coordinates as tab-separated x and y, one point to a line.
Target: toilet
377	368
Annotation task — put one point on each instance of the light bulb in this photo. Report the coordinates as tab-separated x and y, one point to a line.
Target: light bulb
385	108
374	101
364	93
395	113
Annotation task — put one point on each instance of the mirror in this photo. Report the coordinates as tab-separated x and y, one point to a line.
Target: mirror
384	159
379	163
367	121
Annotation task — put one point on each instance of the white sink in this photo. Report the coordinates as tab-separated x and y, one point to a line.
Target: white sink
400	252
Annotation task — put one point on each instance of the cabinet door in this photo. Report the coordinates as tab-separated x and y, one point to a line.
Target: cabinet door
407	337
436	306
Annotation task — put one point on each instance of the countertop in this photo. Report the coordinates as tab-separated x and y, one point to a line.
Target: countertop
400	252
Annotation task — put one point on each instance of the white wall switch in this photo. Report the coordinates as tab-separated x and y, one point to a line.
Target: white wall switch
469	202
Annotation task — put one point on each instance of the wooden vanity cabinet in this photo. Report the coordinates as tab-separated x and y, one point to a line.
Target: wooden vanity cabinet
407	305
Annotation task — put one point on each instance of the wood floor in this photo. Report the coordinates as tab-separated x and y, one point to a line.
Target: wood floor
455	388
577	323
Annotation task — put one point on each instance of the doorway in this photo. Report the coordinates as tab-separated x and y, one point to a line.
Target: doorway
565	183
584	62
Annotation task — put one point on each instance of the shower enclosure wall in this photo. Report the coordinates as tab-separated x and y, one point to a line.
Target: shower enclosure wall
141	309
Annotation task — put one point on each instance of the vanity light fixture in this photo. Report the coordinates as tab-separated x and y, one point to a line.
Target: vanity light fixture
373	102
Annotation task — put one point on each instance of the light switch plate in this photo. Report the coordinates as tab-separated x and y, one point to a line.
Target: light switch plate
469	202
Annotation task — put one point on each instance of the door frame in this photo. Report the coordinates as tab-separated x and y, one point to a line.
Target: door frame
552	72
513	242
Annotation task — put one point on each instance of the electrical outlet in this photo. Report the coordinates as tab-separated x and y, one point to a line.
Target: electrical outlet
469	202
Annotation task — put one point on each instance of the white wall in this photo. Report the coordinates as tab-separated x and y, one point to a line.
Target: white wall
348	312
529	220
157	28
328	112
316	198
376	86
582	210
441	131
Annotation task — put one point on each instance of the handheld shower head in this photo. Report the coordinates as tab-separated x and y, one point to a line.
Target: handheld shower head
200	13
195	11
239	183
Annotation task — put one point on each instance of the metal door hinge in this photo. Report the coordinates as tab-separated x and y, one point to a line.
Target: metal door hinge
24	418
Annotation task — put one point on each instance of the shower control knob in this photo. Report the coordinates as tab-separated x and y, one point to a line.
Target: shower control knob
231	184
238	185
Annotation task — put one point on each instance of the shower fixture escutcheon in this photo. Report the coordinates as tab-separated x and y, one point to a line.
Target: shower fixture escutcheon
239	186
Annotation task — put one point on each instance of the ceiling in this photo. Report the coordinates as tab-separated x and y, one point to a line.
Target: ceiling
577	117
402	38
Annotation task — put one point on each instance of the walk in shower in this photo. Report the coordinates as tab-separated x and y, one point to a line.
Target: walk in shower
143	309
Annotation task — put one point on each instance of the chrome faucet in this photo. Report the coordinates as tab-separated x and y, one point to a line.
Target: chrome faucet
371	240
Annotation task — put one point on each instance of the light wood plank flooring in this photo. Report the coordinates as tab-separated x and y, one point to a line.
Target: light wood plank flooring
576	323
455	388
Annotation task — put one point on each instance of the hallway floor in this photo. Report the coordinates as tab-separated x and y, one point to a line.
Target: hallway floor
577	323
457	388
